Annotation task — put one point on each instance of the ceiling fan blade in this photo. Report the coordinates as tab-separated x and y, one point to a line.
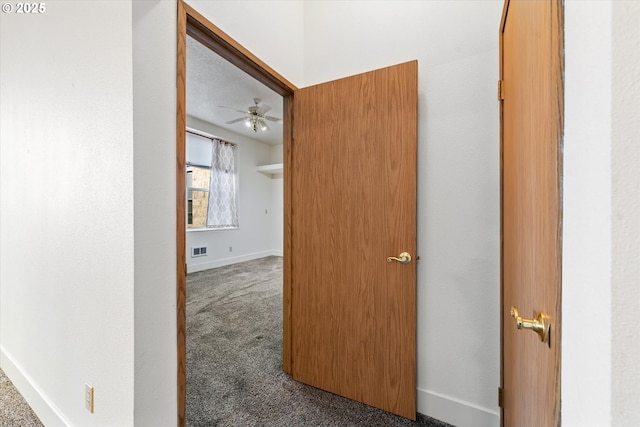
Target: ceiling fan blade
236	120
234	109
263	109
273	119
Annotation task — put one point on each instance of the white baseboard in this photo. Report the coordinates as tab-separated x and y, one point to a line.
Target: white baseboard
192	268
44	408
455	411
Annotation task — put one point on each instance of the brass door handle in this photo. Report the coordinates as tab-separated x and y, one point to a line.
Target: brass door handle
539	325
403	258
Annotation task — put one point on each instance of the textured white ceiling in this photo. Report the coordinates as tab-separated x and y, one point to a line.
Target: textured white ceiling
213	81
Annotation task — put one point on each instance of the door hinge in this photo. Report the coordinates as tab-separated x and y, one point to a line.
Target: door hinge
500	94
500	397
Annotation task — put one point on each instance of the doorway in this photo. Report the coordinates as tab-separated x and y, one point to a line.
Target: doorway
234	281
191	23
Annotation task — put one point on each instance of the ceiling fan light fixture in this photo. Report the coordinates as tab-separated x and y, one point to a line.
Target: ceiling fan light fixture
255	116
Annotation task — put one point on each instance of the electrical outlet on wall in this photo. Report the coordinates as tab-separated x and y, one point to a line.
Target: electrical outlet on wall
88	397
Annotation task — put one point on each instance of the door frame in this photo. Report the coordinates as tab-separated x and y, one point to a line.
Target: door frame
192	23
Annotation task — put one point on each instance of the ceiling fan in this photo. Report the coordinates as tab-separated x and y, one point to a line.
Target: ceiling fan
255	116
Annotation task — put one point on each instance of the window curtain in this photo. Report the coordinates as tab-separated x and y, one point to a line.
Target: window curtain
222	210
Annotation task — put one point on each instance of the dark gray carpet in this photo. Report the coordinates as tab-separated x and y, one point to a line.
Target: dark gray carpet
14	410
234	358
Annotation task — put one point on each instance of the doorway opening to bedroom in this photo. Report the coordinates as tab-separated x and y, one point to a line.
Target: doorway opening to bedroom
234	236
232	124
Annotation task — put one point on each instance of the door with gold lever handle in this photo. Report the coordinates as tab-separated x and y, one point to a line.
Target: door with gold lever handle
403	258
539	325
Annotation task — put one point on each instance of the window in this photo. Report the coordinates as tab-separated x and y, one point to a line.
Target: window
198	179
211	183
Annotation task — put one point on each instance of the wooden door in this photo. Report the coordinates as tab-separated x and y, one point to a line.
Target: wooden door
532	92
353	205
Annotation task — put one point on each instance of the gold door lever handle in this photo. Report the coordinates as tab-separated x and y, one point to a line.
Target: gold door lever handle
539	325
403	258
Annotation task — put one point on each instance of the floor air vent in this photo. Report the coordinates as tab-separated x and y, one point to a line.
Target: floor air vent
198	251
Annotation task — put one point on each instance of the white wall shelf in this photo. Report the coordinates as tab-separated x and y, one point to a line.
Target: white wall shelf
273	169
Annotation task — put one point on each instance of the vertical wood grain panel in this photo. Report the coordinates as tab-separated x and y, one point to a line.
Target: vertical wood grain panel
181	285
287	283
353	205
531	207
505	10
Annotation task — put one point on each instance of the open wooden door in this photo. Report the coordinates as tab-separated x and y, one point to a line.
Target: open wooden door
532	98
353	205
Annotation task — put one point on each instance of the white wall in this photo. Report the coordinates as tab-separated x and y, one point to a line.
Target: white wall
456	44
154	126
277	203
586	285
257	210
67	245
601	237
625	239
